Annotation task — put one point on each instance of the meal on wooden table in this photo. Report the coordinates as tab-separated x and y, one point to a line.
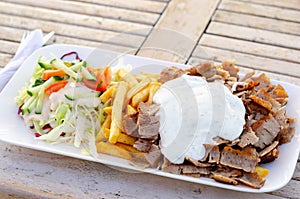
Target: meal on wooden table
204	121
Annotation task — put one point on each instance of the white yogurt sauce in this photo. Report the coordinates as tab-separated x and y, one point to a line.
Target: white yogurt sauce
193	112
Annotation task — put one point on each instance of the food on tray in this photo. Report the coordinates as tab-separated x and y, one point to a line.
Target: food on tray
201	121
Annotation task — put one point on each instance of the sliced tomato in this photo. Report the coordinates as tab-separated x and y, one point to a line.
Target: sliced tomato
103	79
56	86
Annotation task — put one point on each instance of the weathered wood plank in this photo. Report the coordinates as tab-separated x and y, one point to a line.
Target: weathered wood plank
4	59
8	47
260	10
68	40
249	47
243	70
72	30
257	22
249	61
291	190
255	35
292	4
296	175
15	35
141	5
161	0
74	18
177	31
93	10
11	34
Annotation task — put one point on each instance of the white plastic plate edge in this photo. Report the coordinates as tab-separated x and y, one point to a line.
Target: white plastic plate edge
13	130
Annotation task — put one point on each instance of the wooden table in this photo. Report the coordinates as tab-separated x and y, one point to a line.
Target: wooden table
260	34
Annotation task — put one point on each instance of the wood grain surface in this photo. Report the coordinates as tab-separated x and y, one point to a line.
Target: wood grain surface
260	34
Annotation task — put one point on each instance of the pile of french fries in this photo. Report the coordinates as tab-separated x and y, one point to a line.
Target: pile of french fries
123	97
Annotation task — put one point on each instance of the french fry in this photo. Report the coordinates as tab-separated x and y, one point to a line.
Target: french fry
131	110
120	73
106	125
126	139
137	88
100	136
262	172
141	96
106	132
108	94
112	149
130	79
140	77
114	132
108	110
117	111
154	86
151	75
129	148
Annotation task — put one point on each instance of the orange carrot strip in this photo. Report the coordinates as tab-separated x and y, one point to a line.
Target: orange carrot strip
47	74
55	87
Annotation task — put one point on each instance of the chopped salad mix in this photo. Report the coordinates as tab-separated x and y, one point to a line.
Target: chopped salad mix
61	101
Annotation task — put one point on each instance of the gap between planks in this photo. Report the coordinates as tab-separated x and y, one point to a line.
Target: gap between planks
92	10
4	59
290	4
74	19
244	69
252	48
14	35
257	22
250	61
260	10
122	39
140	5
255	35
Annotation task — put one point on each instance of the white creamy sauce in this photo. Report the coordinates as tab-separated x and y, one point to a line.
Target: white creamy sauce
193	112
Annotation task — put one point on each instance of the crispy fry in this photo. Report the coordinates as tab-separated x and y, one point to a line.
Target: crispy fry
108	110
154	86
141	96
121	72
108	94
129	148
151	75
106	125
131	110
114	132
130	79
126	139
117	111
262	172
112	149
137	88
118	103
106	132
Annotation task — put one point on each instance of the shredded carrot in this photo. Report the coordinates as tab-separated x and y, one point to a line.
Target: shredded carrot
47	74
55	87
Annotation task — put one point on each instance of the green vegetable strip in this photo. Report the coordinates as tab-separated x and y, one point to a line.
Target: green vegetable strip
76	66
40	102
60	112
35	90
37	127
59	64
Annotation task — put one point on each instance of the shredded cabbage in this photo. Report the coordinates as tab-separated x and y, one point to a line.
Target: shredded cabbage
71	115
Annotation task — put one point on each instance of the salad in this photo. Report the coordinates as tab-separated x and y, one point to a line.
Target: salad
60	103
